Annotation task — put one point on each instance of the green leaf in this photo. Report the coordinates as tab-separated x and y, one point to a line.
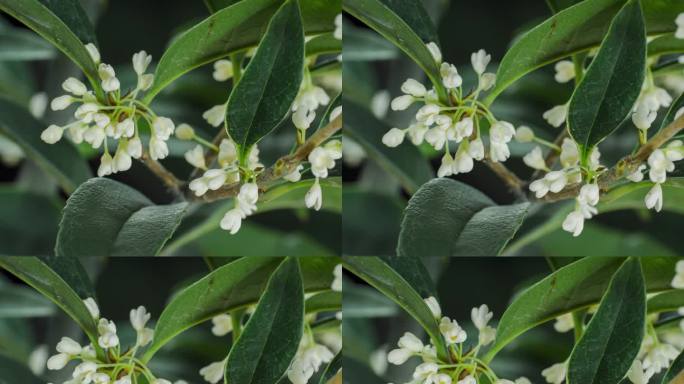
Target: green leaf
377	15
559	5
104	217
64	24
390	283
263	96
448	218
570	288
675	370
40	276
365	45
414	272
667	301
19	236
12	372
270	340
323	45
331	370
233	286
72	272
60	160
613	337
672	112
361	301
20	302
665	45
404	162
20	45
613	82
232	29
415	16
329	301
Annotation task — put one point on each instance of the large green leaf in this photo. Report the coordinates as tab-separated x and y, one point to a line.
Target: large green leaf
448	218
675	370
21	45
414	272
414	14
61	22
270	83
60	160
233	286
667	301
23	302
388	281
613	337
72	272
104	217
323	44
665	45
40	276
271	337
572	287
613	82
328	301
575	29
13	372
19	236
377	15
404	162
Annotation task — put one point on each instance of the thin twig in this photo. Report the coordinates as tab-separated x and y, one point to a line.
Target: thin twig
283	166
514	183
164	174
627	165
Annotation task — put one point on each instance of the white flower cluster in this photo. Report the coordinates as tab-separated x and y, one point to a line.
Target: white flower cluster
657	351
660	162
114	367
679	21
466	365
308	100
113	118
438	123
308	360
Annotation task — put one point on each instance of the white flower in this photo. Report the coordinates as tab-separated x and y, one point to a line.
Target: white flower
564	323
338	27
428	113
480	60
440	378
109	81
61	103
93	52
122	160
215	115
451	331
195	157
660	165
228	153
185	132
158	148
140	62
556	115
658	358
84	371
535	159
223	70
139	318
555	374
424	370
434	51
399	356
402	102
461	129
434	307
569	153
463	163
106	165
308	360
303	118
481	316
337	281
565	71
58	361
447	166
52	134
393	137
589	194
108	337
145	81
337	111
487	81
680	26
524	134
232	221
163	127
295	175
125	128
467	380
499	151
638	174
314	196
85	112
450	77
414	88
654	198
501	132
417	132
643	117
92	307
100	378
574	223
134	147
74	86
678	280
223	325
476	149
436	137
321	161
213	372
249	194
636	373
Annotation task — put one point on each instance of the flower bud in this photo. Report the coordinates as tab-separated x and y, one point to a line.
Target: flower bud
524	134
61	103
185	132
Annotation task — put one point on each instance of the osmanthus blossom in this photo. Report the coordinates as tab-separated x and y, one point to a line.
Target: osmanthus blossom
455	129
466	365
114	122
679	33
117	367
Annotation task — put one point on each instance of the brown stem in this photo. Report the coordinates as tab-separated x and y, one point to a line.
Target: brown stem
283	166
627	165
164	174
514	183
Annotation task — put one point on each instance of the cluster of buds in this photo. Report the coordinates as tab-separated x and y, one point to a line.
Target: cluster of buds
658	349
115	366
464	366
457	120
113	117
